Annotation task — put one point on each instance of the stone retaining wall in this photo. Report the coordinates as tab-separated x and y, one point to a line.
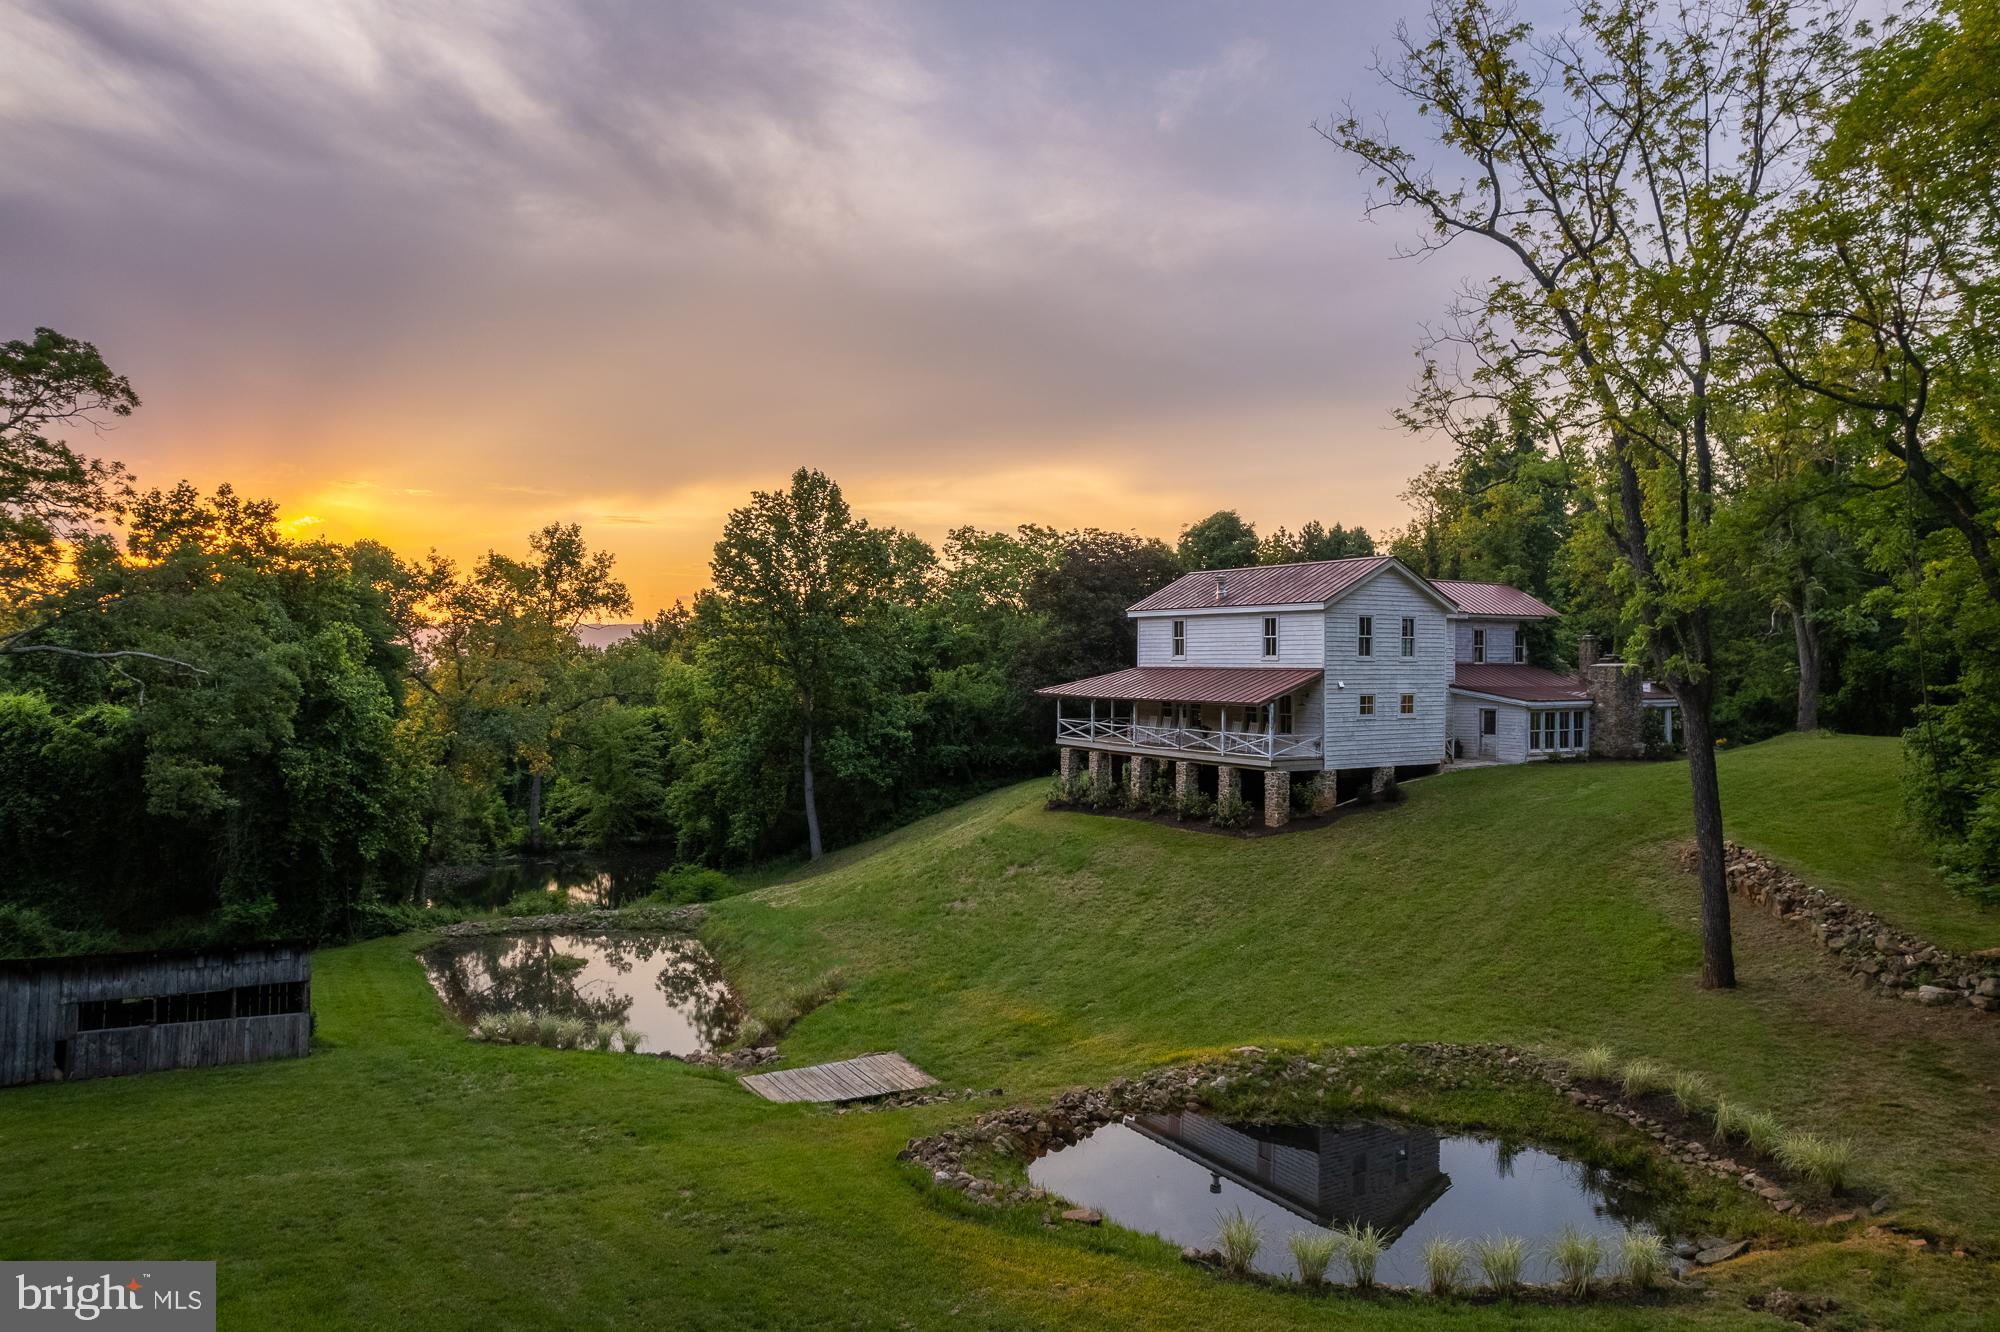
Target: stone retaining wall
1860	942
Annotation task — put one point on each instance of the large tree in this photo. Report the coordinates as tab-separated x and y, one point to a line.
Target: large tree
1625	169
801	599
1223	540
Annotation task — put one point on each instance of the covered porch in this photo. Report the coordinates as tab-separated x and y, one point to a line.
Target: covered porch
1247	716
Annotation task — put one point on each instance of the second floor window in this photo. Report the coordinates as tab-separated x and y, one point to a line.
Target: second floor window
1270	635
1520	648
1409	705
1364	636
1479	645
1409	636
1368	705
1180	638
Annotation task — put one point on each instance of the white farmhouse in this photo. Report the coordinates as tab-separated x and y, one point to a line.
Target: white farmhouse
1339	670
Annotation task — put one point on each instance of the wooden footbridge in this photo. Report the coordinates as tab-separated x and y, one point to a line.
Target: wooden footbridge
857	1079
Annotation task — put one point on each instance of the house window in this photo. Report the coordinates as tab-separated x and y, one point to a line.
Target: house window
1520	648
1562	730
1535	730
1368	705
1270	635
1409	635
1408	706
1364	636
1285	715
1489	721
1191	714
1180	638
1479	645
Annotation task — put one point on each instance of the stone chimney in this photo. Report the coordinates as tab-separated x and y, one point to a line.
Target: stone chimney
1614	722
1587	654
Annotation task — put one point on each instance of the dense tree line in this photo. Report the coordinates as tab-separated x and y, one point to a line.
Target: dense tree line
209	726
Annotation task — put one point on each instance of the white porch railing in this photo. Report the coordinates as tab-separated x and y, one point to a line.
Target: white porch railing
1186	739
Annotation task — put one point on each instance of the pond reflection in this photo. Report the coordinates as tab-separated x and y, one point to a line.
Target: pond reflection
666	986
1171	1174
588	881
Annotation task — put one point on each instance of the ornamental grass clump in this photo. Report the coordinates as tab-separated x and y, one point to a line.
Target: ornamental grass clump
1692	1093
1729	1118
603	1033
1312	1254
630	1039
1576	1258
1501	1258
1363	1247
1444	1264
1645	1075
1239	1237
1762	1131
1596	1064
565	1033
1827	1162
1642	1256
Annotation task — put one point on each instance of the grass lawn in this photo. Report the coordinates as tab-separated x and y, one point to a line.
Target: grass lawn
404	1177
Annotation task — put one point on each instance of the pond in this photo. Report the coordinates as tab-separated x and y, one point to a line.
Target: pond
1171	1174
666	986
590	881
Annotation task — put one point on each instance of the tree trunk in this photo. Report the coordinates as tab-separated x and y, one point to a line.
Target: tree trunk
535	811
812	806
1807	634
1718	958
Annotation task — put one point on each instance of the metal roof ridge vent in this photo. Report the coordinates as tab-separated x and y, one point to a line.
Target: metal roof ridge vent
1221	589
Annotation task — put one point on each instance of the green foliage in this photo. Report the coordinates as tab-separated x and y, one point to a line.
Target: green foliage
1195	807
690	883
1501	1258
1643	1258
1312	1253
1576	1258
1220	541
1445	1261
1597	1063
1231	812
1693	1093
1643	1076
1362	1247
1239	1237
1827	1162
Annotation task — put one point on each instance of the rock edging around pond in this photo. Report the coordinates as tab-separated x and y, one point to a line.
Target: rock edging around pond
1860	942
661	920
1027	1132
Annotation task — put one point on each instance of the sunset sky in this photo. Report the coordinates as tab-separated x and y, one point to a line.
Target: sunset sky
439	275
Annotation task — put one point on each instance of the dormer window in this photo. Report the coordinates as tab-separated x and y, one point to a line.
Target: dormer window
1520	648
1270	635
1180	638
1479	645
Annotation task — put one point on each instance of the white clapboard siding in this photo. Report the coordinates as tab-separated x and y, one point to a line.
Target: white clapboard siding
1388	737
1232	639
1509	743
1500	636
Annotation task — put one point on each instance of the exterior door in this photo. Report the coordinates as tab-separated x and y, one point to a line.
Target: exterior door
1489	731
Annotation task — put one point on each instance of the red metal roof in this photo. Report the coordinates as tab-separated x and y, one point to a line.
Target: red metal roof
1262	585
1191	684
1526	684
1494	599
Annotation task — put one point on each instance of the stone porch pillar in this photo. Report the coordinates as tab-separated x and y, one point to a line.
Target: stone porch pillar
1100	770
1071	759
1140	776
1228	784
1326	791
1185	781
1382	784
1277	798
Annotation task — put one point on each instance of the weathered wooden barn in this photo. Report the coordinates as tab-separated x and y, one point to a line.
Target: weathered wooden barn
108	1015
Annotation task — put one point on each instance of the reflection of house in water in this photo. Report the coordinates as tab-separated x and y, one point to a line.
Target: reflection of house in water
1377	1175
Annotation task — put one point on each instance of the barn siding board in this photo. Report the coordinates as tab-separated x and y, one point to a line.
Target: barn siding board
1232	638
1387	738
39	999
1500	636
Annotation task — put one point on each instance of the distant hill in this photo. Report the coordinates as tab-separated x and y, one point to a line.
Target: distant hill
604	635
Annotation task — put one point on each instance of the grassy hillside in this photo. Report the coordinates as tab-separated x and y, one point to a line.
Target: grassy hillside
403	1176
